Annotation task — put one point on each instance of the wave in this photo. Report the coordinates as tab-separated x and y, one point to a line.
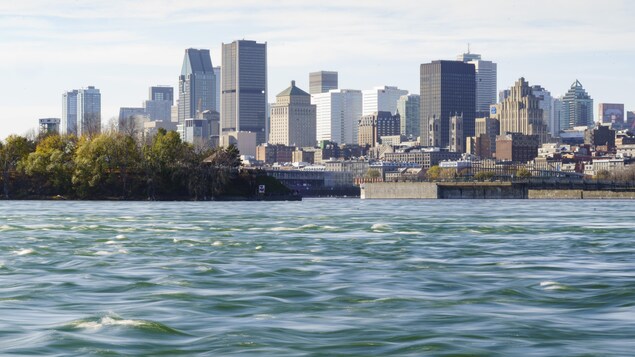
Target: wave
98	323
26	251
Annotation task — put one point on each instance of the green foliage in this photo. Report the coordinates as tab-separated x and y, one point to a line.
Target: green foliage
434	173
51	166
483	175
523	173
12	151
113	165
602	175
372	174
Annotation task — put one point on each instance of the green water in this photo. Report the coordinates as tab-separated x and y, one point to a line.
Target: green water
318	278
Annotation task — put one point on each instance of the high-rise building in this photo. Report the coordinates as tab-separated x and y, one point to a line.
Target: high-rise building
381	99
409	110
577	108
88	111
611	113
244	88
165	93
546	104
373	126
49	126
69	113
217	74
159	103
486	76
556	104
337	113
322	81
197	84
293	118
503	94
447	88
131	120
521	113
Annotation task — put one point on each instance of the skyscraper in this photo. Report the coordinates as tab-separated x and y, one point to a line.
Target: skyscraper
322	81
159	104
244	88
69	113
486	73
293	118
337	114
197	84
577	107
447	88
217	73
546	104
381	99
88	111
521	112
409	110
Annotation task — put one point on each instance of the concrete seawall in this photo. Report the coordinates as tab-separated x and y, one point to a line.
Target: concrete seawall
480	190
403	190
580	194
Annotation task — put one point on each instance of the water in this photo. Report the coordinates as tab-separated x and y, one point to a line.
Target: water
318	278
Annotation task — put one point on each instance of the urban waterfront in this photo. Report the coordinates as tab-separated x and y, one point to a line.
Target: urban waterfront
318	277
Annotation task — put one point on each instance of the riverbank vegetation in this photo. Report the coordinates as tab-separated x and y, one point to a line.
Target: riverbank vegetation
116	166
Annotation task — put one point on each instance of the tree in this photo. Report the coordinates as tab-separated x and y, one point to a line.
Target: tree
12	151
51	166
103	164
603	175
523	173
483	175
434	173
372	174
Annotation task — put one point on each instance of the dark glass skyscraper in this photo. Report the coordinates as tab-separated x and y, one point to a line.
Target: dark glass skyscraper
244	88
448	88
197	84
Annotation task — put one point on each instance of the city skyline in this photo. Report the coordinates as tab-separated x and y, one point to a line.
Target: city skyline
125	48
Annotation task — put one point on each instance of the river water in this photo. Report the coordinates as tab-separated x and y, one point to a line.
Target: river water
318	278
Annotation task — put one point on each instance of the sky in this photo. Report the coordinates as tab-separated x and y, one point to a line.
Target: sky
123	47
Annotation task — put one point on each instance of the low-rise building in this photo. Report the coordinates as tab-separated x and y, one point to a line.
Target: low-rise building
517	147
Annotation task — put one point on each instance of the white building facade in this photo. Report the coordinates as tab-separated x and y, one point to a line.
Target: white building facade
381	99
337	113
486	77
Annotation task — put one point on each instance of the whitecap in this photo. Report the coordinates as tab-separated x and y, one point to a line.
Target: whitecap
102	253
24	251
217	243
120	236
259	247
551	285
379	226
111	242
283	229
106	321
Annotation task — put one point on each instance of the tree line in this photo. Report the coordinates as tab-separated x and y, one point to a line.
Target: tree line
116	166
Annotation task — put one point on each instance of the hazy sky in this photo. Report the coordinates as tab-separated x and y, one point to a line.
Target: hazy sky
122	46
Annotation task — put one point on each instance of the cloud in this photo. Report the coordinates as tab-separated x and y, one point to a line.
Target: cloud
68	43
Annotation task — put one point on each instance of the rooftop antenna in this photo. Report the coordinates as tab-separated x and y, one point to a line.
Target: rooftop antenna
468	48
